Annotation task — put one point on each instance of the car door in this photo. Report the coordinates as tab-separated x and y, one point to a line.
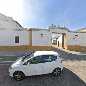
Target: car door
34	66
49	63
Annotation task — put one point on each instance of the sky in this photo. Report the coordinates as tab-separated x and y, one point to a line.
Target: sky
43	13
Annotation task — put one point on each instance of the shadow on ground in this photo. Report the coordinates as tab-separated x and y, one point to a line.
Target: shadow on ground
67	78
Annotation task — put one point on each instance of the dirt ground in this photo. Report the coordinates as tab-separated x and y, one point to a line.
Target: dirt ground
77	67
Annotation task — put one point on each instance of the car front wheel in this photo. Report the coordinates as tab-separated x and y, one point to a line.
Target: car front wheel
18	75
57	71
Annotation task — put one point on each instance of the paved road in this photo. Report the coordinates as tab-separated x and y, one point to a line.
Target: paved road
69	56
14	52
67	78
13	55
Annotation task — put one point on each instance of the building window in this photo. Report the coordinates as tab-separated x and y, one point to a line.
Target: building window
16	39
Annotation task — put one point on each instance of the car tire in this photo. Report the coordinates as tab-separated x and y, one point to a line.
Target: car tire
18	75
57	71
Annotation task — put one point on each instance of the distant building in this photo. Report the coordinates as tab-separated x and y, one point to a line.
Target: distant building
57	41
81	30
54	41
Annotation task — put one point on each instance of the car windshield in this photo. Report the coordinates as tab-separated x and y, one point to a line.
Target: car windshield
26	57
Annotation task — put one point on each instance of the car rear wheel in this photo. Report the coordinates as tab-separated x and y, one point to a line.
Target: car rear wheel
18	75
57	71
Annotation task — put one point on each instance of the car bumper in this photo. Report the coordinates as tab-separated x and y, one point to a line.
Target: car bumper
10	72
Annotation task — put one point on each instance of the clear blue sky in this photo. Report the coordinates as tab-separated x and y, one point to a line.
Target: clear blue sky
42	13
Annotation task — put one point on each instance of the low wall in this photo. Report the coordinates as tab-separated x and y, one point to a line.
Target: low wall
25	47
76	48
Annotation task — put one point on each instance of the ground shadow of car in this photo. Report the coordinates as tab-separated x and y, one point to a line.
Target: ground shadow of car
67	78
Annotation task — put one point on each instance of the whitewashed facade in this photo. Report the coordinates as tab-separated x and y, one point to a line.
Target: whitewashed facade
72	40
35	38
9	29
7	37
41	38
76	39
28	39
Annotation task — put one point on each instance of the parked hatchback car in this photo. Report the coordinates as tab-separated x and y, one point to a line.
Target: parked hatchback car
40	62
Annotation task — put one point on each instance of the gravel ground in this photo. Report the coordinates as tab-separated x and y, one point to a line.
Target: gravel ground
73	62
77	67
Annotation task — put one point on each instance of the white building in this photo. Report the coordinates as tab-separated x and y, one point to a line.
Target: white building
76	40
14	37
70	40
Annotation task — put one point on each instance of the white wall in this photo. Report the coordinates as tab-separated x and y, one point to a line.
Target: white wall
5	18
7	25
76	39
7	22
59	39
7	37
38	40
57	30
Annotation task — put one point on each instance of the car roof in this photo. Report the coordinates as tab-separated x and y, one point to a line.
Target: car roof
37	53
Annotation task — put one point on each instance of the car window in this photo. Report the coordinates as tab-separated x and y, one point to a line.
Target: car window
42	59
53	58
46	58
35	60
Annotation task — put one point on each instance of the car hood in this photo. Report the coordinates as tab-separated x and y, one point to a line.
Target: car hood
18	62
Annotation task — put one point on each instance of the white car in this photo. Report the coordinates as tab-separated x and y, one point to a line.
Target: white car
40	62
